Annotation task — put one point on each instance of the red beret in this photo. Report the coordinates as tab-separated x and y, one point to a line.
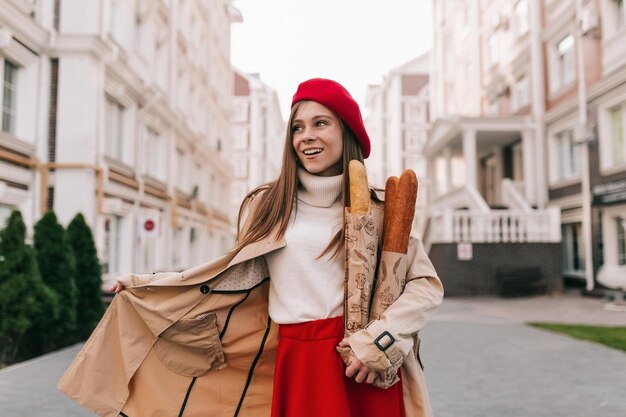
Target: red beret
334	96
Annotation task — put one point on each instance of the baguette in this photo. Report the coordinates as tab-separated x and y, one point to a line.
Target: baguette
359	188
399	212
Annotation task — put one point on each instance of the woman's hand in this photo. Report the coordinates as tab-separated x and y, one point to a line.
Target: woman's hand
356	368
117	287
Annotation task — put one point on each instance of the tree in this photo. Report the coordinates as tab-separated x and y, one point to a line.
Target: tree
24	299
88	276
56	264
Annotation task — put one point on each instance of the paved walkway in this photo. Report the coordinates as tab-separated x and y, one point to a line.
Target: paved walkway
481	361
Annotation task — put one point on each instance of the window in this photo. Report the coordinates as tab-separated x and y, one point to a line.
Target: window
5	213
620	14
413	113
520	93
568	155
177	249
414	140
492	49
161	60
493	108
565	63
573	249
155	156
240	111
149	255
181	169
111	252
617	134
521	17
240	138
621	241
241	168
114	129
9	93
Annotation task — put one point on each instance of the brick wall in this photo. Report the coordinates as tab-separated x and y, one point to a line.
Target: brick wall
478	276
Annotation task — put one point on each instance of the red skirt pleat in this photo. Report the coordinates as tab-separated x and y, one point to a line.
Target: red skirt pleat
310	381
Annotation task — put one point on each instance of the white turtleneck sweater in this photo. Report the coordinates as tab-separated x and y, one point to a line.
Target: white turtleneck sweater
302	287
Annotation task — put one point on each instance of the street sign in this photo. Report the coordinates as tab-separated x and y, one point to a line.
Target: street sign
149	225
464	251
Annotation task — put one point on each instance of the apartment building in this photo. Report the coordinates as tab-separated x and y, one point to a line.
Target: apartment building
258	132
397	116
488	205
528	109
121	110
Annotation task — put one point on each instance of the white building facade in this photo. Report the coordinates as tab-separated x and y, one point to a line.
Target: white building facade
397	121
258	132
131	124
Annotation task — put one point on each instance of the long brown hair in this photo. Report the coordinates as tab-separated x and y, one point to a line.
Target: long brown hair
276	203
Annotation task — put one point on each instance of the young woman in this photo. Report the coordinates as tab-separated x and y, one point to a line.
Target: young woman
203	341
306	206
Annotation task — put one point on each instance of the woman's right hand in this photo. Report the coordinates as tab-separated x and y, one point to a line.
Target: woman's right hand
117	287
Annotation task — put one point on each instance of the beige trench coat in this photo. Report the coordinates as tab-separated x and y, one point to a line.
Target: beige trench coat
201	343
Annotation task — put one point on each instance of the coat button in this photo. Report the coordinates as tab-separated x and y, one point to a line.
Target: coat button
204	289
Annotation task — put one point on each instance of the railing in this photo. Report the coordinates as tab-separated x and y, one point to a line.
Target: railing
513	195
465	196
497	226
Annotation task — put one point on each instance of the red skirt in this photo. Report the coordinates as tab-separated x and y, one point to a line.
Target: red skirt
310	381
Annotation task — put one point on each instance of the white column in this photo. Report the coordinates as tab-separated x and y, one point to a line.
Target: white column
529	165
447	153
499	158
540	166
469	155
582	136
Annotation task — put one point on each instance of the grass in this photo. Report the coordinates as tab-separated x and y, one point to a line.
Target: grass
614	337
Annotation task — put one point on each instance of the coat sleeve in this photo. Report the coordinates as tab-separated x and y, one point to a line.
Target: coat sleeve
407	315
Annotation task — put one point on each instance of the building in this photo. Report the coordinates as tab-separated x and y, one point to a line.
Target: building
528	103
397	117
121	110
487	157
258	132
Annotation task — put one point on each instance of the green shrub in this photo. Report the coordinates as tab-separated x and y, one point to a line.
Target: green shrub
56	265
27	306
88	278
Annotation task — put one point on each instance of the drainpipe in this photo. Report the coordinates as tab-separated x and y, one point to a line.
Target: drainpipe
582	138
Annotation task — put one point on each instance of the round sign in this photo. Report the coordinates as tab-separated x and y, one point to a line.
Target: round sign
148	225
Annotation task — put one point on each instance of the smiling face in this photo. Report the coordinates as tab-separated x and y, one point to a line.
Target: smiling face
317	139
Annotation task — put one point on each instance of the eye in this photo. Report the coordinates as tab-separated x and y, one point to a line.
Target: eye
321	123
296	128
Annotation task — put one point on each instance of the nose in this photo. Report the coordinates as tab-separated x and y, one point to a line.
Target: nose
308	135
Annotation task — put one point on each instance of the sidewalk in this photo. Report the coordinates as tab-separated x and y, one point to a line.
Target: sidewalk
482	361
28	389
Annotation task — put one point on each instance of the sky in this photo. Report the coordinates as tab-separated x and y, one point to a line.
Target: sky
355	42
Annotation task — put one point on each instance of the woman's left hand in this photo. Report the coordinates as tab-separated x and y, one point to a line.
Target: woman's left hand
356	368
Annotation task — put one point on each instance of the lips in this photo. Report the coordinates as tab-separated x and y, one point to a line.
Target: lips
312	152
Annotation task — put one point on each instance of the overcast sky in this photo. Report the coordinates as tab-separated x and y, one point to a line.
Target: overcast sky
355	42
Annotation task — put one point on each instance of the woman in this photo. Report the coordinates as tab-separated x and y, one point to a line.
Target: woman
291	230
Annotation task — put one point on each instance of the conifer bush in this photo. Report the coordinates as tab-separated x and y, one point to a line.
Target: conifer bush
89	307
26	303
56	265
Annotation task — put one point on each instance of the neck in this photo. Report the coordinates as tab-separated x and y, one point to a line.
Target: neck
319	191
